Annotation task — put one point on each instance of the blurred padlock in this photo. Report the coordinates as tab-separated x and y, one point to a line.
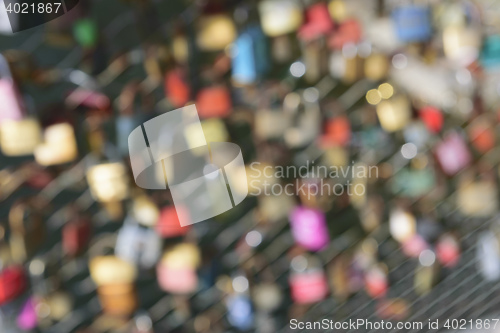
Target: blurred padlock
12	107
376	281
271	124
477	198
376	66
308	282
142	323
59	145
19	137
114	278
430	82
12	283
461	44
348	33
413	182
317	22
86	32
309	228
452	153
448	250
145	211
482	134
215	32
433	118
27	318
177	89
280	17
177	269
413	246
240	311
489	53
402	225
138	244
76	235
412	23
249	56
214	102
267	296
393	309
337	132
108	182
215	130
180	48
394	114
27	229
382	35
315	59
168	225
488	255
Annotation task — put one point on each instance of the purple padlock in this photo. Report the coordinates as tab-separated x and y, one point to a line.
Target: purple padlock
309	228
27	318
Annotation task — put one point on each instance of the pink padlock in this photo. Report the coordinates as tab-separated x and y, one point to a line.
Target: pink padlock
453	154
308	281
12	105
448	250
309	228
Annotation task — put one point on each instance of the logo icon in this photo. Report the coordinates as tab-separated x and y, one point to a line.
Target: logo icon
171	151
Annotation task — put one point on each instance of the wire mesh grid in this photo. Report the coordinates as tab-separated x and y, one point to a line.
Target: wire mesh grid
462	293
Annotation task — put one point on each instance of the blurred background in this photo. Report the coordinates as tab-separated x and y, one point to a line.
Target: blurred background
409	90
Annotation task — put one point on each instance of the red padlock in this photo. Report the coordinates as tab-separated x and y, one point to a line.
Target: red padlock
76	235
448	251
169	225
482	135
12	283
338	132
348	32
432	118
376	283
214	102
318	22
177	90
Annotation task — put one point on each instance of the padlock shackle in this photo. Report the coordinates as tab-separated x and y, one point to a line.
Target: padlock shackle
101	243
16	216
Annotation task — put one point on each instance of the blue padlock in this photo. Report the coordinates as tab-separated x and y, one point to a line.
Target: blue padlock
250	57
240	311
490	53
413	23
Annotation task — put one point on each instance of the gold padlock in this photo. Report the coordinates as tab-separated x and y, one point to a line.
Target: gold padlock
108	182
216	32
280	17
59	146
376	66
19	137
114	278
394	113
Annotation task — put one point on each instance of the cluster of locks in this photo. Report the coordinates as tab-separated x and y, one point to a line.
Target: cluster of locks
368	131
